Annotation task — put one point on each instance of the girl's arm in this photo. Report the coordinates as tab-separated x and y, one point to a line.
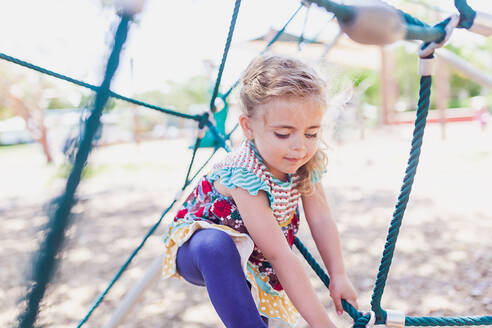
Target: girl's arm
267	235
326	237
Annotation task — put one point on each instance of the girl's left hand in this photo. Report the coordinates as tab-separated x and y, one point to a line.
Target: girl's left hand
341	288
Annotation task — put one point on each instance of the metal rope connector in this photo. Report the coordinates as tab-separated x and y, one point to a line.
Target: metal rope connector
450	26
178	195
201	132
426	66
395	319
219	104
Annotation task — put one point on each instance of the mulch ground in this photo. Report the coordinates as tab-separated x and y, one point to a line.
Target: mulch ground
442	264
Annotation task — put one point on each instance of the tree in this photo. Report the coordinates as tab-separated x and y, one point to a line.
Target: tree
23	95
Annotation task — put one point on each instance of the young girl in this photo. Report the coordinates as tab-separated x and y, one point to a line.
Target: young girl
235	231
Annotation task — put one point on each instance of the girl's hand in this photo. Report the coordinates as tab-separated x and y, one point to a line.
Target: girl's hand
341	288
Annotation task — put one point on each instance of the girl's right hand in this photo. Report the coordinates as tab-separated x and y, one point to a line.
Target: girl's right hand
268	236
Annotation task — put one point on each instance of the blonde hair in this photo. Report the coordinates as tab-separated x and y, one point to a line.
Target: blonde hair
269	77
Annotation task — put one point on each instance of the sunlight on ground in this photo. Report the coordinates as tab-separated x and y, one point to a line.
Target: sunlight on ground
441	264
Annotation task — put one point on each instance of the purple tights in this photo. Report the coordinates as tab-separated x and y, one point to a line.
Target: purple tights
210	258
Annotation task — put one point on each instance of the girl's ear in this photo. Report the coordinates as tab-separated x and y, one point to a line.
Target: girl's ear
245	123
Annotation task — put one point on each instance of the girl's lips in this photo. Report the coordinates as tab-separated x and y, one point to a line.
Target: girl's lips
293	160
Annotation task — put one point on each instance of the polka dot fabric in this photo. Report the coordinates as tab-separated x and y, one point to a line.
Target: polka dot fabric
206	208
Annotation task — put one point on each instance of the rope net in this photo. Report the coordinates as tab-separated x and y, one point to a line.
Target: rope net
45	258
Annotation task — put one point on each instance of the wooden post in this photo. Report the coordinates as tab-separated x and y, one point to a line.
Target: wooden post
442	93
389	87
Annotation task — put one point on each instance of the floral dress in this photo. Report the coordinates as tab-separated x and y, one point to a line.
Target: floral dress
205	207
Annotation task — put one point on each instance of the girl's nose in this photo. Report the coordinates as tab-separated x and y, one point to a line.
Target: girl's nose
298	143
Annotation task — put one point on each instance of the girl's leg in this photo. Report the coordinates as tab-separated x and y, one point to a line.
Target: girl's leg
210	258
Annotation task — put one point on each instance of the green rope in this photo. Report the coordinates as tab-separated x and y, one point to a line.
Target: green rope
101	296
343	12
272	41
359	318
204	164
151	231
423	107
45	260
224	55
448	321
201	125
203	120
429	34
54	239
467	14
94	88
221	140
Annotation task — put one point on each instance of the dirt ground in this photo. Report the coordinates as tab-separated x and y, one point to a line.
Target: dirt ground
442	264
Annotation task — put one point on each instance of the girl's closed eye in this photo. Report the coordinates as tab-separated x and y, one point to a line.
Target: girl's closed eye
311	135
281	135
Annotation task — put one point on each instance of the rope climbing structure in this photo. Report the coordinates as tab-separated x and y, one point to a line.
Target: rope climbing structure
359	23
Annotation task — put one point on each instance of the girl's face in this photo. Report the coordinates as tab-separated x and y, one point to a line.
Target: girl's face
286	133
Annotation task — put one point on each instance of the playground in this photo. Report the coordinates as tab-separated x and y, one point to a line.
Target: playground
71	221
441	265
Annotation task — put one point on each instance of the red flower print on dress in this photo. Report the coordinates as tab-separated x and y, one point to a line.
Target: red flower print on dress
199	213
295	220
290	237
277	286
181	214
221	208
206	186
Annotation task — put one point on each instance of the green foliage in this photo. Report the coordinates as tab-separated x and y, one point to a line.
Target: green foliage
182	95
88	172
87	101
6	112
368	82
462	89
58	103
407	76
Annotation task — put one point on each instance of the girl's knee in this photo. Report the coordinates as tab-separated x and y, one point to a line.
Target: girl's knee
214	244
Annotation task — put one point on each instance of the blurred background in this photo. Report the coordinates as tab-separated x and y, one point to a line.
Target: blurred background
171	59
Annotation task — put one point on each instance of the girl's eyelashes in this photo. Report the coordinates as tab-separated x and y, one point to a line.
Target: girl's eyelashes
286	135
281	135
311	135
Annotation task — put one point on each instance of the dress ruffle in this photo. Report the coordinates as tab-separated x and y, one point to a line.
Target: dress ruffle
238	177
270	303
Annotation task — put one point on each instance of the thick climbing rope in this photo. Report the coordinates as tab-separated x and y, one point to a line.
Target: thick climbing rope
360	320
202	121
51	245
45	260
423	107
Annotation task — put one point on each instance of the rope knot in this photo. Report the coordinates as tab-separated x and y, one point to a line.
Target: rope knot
448	25
366	320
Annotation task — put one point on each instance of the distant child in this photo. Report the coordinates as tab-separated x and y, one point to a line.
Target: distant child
235	231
